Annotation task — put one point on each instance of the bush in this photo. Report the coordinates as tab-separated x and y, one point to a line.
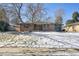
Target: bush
3	26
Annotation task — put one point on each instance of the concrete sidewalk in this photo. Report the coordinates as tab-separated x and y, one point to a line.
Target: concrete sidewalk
38	51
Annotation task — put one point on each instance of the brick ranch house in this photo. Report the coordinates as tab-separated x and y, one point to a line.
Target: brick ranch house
37	26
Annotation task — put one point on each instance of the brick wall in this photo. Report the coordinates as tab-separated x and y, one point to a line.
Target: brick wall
39	27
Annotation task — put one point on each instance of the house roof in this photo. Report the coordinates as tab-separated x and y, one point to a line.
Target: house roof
77	23
39	22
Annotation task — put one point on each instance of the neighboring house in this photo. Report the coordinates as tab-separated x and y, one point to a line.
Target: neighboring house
72	27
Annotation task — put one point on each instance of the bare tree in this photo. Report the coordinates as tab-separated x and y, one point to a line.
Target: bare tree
59	12
59	19
13	11
17	7
35	12
10	12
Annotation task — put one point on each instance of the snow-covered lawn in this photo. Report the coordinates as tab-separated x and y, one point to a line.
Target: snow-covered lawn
58	39
40	39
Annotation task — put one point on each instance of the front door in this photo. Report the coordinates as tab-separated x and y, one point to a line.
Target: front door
37	27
